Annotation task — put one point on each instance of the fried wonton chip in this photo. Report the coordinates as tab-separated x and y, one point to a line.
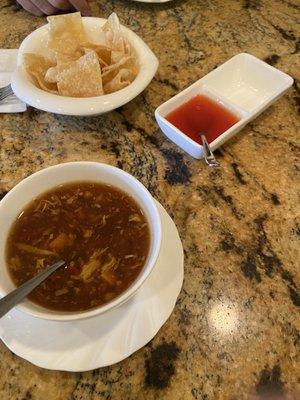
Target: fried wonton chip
65	58
79	68
108	73
66	33
103	52
63	62
117	56
82	78
37	66
124	61
123	78
114	36
120	49
54	74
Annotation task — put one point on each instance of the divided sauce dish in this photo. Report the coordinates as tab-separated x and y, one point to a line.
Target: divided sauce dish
244	85
33	186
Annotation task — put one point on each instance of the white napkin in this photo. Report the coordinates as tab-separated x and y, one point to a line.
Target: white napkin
8	62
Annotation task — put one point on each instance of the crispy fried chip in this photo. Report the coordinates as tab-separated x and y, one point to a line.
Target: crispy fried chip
53	74
103	52
123	78
36	66
66	33
108	73
63	62
114	35
79	68
65	58
82	78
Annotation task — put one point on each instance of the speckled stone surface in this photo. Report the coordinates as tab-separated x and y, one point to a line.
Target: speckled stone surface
234	333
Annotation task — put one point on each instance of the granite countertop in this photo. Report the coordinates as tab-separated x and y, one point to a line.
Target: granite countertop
235	329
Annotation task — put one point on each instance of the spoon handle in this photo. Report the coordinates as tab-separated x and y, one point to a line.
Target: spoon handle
17	295
208	154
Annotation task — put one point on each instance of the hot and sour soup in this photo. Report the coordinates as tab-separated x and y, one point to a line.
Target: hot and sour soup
99	230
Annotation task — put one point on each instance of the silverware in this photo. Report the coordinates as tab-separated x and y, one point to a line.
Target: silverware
208	154
5	91
17	295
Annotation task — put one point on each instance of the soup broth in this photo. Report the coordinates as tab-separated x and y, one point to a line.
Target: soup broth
97	229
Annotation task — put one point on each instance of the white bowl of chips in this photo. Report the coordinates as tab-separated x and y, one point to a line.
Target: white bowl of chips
82	66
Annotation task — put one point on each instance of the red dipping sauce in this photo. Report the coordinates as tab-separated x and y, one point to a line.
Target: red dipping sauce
203	115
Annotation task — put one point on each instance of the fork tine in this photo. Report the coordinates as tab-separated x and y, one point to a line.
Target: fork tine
5	92
5	87
4	96
8	87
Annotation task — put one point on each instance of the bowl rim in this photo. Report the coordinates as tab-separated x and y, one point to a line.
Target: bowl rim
26	91
48	314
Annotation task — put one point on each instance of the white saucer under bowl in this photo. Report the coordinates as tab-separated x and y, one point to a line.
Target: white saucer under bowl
109	338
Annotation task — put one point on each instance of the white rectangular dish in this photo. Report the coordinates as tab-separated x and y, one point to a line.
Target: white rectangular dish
244	84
